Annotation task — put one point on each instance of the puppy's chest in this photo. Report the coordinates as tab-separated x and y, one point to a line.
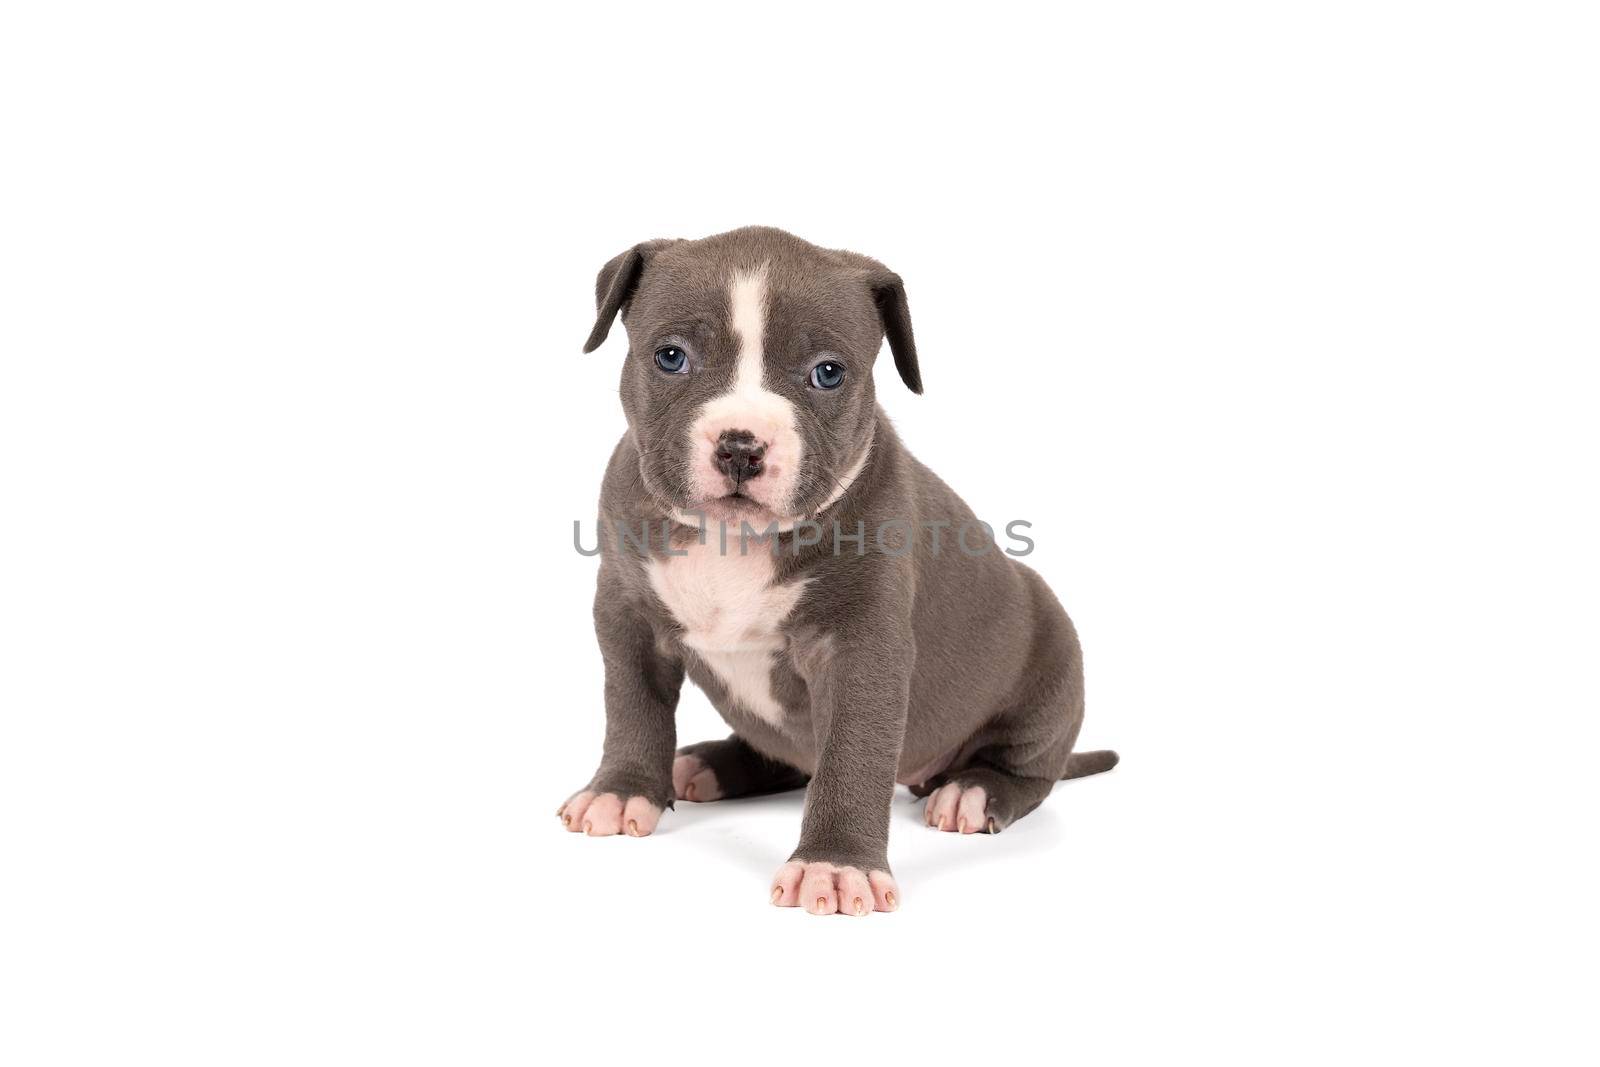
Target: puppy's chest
732	614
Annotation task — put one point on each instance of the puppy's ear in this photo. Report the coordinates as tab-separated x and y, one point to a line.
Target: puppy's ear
614	287
889	292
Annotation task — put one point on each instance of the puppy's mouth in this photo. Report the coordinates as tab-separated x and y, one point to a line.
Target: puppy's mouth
731	509
736	505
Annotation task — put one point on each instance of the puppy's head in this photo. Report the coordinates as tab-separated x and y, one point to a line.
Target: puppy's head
748	383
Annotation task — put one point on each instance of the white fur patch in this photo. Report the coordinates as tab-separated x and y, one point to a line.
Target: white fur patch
730	612
748	405
748	296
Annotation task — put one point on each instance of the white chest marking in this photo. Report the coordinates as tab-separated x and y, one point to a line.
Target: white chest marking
731	613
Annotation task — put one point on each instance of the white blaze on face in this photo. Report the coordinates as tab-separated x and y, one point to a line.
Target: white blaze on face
748	405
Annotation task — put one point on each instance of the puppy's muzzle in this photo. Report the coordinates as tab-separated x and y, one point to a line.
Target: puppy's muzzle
739	456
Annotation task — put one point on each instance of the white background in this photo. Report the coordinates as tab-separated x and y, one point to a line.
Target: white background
1278	321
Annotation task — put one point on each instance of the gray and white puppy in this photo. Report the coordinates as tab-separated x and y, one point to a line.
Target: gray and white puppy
763	531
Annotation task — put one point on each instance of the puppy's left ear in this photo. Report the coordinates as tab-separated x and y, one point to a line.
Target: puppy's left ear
889	293
615	286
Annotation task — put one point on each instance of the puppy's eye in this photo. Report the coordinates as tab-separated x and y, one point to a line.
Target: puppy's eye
827	375
672	359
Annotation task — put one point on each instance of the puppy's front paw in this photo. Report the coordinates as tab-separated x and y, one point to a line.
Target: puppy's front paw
605	814
825	888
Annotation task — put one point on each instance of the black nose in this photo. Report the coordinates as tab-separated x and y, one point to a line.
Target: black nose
739	456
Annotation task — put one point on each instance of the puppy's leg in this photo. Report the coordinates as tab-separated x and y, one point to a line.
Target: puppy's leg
859	700
1017	759
634	781
721	770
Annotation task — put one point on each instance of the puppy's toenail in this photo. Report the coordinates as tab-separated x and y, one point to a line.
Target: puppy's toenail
888	898
588	828
994	827
633	828
861	909
688	791
822	905
961	825
566	820
777	893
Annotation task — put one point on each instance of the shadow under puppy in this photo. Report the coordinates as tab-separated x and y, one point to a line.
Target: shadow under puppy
763	531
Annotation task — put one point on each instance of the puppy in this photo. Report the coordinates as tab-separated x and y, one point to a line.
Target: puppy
764	532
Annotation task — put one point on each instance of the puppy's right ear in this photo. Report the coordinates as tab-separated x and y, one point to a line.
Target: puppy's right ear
615	284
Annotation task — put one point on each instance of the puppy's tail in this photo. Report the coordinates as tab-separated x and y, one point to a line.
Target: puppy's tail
1080	764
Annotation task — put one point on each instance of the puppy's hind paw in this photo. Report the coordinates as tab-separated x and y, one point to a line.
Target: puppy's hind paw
960	809
607	814
694	781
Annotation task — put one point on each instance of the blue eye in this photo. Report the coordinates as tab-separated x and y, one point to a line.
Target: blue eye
672	359
827	375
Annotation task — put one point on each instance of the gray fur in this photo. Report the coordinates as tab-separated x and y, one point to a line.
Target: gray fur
918	667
